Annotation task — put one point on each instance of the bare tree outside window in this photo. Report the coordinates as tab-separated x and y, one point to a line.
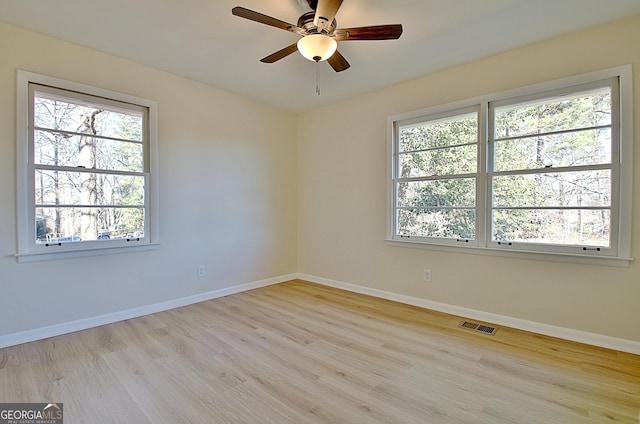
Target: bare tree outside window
89	168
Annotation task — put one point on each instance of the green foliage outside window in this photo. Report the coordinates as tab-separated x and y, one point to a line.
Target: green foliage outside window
549	175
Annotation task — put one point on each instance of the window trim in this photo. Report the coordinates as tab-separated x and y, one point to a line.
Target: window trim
484	247
25	248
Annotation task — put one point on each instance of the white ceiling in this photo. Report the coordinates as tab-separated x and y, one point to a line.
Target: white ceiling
202	40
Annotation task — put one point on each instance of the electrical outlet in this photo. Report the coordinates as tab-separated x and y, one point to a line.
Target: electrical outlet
201	271
427	275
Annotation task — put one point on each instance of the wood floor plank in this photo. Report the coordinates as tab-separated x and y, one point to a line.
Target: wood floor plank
297	352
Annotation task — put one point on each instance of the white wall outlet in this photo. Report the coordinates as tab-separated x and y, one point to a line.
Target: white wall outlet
201	271
427	275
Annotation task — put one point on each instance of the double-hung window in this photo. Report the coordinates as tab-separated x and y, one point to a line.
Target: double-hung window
85	169
436	179
554	171
540	170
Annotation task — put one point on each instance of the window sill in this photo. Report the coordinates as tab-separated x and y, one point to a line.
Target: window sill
535	256
69	254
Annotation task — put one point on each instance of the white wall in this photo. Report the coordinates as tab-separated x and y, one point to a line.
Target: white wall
227	193
342	183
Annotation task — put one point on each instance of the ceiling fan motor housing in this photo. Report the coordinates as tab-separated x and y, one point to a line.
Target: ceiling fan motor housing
306	23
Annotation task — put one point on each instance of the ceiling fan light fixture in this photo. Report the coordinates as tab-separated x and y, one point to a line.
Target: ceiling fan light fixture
317	47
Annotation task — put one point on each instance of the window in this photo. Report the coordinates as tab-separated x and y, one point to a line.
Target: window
553	171
86	172
436	181
539	170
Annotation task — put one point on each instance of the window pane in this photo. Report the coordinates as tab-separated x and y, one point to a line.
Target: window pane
63	225
55	113
59	149
561	113
451	161
572	189
450	131
449	192
589	147
445	223
556	226
86	188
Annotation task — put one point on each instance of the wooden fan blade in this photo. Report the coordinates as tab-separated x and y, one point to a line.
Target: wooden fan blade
264	19
280	54
377	32
338	62
325	12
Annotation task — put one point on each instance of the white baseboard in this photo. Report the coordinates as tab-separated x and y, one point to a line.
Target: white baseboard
608	342
83	324
584	337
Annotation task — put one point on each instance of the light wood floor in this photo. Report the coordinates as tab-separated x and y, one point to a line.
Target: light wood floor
302	353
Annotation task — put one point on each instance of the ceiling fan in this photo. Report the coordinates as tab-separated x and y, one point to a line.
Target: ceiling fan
319	32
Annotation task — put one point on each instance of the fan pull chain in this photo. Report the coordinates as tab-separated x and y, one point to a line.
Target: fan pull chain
317	78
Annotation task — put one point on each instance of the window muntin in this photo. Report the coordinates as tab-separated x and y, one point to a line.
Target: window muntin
437	159
526	194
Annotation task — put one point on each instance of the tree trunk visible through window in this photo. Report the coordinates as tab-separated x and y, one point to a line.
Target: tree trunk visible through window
87	148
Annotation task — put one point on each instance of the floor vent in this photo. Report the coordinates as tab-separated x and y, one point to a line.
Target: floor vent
478	327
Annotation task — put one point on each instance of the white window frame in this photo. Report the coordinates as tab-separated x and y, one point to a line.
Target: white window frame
479	171
28	249
619	255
